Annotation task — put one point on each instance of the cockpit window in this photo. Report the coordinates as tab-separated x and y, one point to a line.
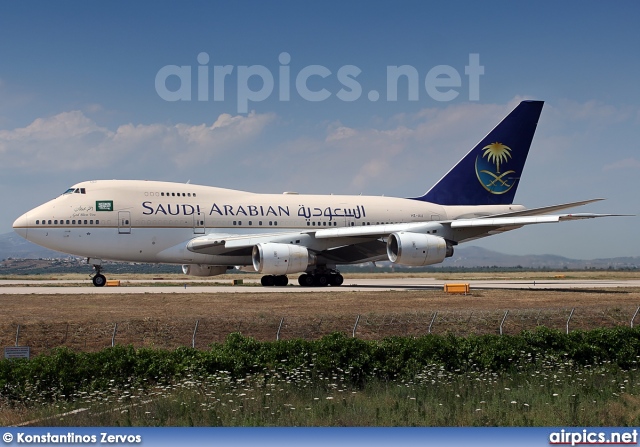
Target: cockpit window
75	190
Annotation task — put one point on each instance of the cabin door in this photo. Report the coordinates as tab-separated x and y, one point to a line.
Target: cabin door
124	222
198	223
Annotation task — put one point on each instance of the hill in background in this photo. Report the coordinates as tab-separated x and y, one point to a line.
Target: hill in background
15	247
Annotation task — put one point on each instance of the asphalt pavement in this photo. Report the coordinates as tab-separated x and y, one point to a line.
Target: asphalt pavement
51	287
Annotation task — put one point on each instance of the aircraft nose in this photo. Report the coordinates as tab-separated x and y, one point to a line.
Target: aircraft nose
21	225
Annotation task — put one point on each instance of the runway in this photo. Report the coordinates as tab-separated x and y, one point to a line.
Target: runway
84	287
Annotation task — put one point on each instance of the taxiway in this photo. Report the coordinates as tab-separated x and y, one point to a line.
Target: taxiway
83	287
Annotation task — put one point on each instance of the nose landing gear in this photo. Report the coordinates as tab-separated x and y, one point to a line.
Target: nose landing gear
98	279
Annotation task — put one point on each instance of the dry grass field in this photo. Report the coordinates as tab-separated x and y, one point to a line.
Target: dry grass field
86	323
168	320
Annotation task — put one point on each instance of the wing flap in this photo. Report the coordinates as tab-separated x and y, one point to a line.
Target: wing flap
357	253
221	243
375	231
503	221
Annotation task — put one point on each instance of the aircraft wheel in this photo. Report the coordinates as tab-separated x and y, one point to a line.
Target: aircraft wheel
281	280
305	280
337	280
99	280
267	280
322	280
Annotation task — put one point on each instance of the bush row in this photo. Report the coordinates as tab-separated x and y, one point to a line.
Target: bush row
63	372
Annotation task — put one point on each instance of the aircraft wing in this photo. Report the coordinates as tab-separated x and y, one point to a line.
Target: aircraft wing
367	243
341	250
491	222
235	244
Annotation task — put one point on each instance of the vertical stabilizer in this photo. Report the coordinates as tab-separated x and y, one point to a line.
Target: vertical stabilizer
489	174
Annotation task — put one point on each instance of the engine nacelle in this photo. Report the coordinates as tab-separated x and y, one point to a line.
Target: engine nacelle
417	249
280	259
203	270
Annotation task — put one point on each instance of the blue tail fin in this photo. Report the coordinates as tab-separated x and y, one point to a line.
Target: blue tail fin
489	174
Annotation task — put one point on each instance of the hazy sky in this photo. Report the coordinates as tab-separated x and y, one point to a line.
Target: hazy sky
296	96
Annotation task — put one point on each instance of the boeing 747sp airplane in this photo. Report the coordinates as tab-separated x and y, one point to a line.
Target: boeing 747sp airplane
211	230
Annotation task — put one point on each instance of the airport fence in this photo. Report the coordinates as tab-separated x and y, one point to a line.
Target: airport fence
171	333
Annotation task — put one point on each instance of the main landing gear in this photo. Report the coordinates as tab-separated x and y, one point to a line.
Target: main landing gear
314	279
98	279
332	278
274	280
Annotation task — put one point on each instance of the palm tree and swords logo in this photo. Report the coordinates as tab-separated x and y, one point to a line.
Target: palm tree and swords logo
488	170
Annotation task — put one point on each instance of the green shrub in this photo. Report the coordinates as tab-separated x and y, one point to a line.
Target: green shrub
64	373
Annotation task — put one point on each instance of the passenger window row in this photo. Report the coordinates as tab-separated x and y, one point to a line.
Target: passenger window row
272	223
170	194
68	222
322	224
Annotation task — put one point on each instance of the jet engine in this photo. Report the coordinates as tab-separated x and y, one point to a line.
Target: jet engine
280	259
417	249
203	270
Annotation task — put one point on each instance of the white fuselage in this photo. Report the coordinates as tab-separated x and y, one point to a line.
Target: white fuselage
148	221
